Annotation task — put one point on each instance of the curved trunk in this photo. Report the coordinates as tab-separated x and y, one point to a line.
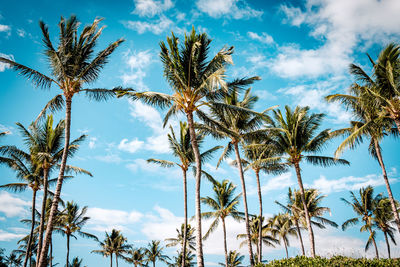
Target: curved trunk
306	213
300	237
225	246
389	190
43	212
199	243
387	244
54	205
261	213
376	247
246	212
51	252
287	253
67	250
184	241
28	253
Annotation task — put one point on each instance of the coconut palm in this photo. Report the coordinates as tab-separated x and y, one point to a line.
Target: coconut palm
182	149
296	136
188	260
364	207
13	260
368	124
154	252
281	227
114	243
232	118
76	262
266	238
73	64
194	79
294	208
224	204
71	220
136	256
262	156
234	259
190	237
383	216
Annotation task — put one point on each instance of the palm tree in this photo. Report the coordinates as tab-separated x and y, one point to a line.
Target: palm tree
296	136
114	243
364	208
383	216
266	238
190	237
281	226
234	259
369	124
182	149
294	208
13	260
194	79
262	156
232	118
73	64
187	262
224	204
76	262
136	256
154	251
71	220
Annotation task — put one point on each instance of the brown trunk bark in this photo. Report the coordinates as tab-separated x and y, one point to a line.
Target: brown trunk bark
376	247
54	206
111	260
246	212
186	218
387	244
199	243
300	237
389	190
43	212
67	251
51	253
287	253
225	246
116	260
261	214
306	213
28	253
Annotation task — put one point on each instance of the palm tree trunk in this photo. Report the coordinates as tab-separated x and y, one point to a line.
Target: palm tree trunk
67	250
116	260
387	244
396	119
51	252
28	253
261	214
111	260
186	218
376	247
225	246
307	215
56	198
300	237
392	202
154	263
246	212
43	212
287	253
199	244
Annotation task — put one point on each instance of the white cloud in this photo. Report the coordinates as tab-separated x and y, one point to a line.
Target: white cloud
7	236
110	158
162	225
138	63
130	146
106	219
340	25
157	26
279	182
5	28
92	142
21	33
263	38
236	9
4	66
150	8
12	206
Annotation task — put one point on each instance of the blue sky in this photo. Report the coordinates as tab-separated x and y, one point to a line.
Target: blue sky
300	49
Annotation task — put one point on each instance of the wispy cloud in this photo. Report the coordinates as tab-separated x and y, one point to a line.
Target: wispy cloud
263	37
157	26
13	206
138	64
150	8
235	9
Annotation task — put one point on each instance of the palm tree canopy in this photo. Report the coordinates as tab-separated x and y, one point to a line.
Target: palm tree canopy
154	252
281	227
114	243
234	259
191	239
267	239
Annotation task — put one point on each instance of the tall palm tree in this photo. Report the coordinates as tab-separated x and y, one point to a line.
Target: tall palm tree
187	262
114	243
154	252
296	136
182	149
194	79
281	227
224	204
294	208
234	259
383	216
73	64
232	118
364	207
71	220
190	237
13	260
136	256
266	238
262	156
369	124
